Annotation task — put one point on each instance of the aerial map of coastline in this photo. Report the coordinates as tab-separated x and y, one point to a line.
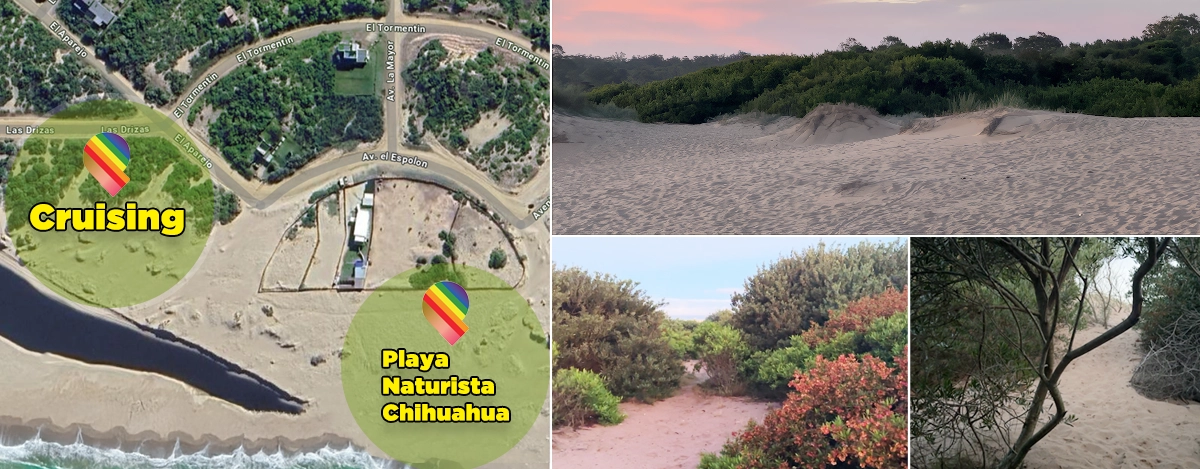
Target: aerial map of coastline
220	218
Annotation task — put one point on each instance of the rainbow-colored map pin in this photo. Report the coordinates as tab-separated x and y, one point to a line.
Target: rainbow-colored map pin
106	156
445	306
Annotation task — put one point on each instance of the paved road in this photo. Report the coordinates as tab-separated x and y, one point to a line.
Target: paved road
446	170
433	26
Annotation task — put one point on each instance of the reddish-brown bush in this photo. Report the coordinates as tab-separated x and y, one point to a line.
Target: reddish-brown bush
857	316
847	412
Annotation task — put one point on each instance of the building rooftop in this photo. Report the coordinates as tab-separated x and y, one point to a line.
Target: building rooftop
101	15
352	52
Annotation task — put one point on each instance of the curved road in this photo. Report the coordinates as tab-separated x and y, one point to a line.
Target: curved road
455	173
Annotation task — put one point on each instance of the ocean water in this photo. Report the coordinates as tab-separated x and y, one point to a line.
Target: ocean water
39	454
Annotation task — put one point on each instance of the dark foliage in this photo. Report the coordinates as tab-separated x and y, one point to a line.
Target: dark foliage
609	327
1152	75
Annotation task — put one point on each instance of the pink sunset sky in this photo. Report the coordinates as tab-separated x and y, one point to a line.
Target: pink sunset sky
701	27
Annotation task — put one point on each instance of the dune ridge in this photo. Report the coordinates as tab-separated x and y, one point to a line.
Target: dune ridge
845	170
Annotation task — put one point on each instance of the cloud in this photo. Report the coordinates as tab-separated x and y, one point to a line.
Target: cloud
728	291
693	308
707	14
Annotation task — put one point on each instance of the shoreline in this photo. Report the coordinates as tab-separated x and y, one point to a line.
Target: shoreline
65	413
14	431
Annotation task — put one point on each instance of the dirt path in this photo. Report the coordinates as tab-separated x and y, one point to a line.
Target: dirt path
1117	427
668	434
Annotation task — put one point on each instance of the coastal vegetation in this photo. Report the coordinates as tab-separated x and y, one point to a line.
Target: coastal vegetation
451	96
227	205
48	168
159	46
1154	74
591	71
31	71
286	103
995	323
824	332
610	327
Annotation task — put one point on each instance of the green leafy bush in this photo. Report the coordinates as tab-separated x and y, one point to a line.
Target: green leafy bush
581	398
678	333
228	205
800	290
721	349
610	327
498	259
720	461
769	372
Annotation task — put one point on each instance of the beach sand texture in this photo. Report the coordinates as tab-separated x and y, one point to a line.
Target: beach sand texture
669	434
1117	427
842	169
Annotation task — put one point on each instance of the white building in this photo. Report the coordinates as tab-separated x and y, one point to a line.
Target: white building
362	225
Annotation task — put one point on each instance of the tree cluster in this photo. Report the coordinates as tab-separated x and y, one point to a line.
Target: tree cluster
162	33
48	179
994	328
30	71
591	71
453	96
291	98
1155	74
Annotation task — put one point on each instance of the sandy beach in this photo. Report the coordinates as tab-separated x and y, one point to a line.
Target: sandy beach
671	433
1117	427
276	335
845	170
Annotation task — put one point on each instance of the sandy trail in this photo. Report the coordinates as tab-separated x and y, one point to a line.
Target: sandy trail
671	433
1117	427
988	172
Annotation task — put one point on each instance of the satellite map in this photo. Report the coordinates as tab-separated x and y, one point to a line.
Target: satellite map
220	217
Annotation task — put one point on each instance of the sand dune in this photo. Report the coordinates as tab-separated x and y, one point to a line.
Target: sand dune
1117	427
845	170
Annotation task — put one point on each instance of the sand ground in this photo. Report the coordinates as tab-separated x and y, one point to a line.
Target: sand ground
1117	427
218	306
671	433
842	170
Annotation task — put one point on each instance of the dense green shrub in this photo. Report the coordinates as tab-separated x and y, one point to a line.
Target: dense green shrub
610	327
770	371
580	398
498	259
571	99
149	38
799	291
678	333
721	349
228	205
